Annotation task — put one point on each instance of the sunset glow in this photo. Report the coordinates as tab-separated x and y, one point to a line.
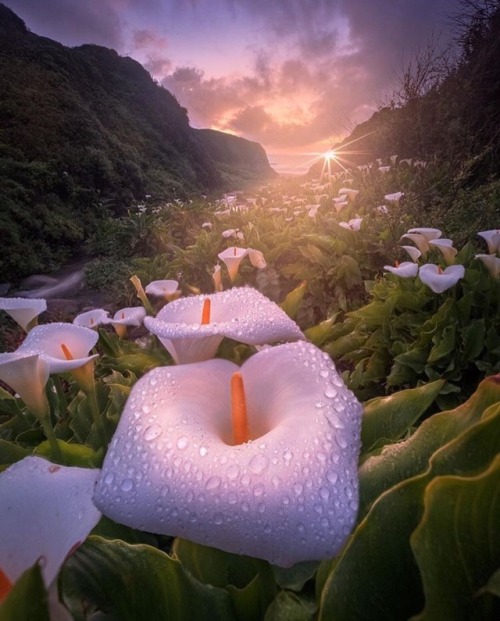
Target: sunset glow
294	76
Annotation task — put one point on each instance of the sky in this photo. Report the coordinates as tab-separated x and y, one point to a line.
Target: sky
293	75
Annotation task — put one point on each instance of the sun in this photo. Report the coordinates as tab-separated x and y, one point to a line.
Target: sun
329	155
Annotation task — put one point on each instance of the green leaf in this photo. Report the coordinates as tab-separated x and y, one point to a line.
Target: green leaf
391	417
295	577
457	544
443	345
473	337
27	599
290	607
129	582
249	581
73	454
411	457
10	453
321	332
293	300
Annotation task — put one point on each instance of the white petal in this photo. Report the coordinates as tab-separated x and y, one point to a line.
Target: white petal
132	316
27	375
46	511
22	310
285	496
241	313
406	269
162	288
414	253
47	340
428	233
92	318
440	281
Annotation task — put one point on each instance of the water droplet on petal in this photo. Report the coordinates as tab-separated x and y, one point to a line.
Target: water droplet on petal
330	392
258	464
182	442
232	472
127	485
258	490
213	483
152	432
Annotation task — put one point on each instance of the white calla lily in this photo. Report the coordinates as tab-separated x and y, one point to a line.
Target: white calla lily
354	224
492	263
427	232
190	333
287	492
420	241
414	253
445	246
492	238
63	346
233	256
45	513
92	318
440	280
217	278
349	192
23	311
27	374
125	317
395	197
406	269
166	289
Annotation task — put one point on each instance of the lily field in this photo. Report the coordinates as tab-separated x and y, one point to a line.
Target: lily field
288	410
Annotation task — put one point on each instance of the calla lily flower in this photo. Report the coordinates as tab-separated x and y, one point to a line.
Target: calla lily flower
492	263
349	192
233	256
166	289
45	513
217	278
384	169
406	269
23	311
420	241
395	197
132	316
414	253
27	374
92	318
382	209
63	346
354	224
191	329
440	280
428	233
492	238
445	246
258	460
232	233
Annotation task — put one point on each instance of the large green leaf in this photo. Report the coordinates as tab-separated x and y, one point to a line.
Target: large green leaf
457	545
390	417
249	581
379	553
27	599
290	607
293	300
411	457
129	582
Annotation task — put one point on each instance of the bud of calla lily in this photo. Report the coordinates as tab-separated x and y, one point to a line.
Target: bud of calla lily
23	311
45	513
258	460
191	329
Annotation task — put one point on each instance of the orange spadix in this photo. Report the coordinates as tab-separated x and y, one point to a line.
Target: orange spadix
239	410
5	586
205	313
67	354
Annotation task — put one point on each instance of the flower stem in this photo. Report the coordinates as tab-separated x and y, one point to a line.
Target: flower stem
96	417
51	437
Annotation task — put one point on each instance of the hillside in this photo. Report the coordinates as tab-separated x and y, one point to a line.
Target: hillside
85	132
445	108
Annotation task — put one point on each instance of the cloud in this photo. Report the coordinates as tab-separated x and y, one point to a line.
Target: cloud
70	21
